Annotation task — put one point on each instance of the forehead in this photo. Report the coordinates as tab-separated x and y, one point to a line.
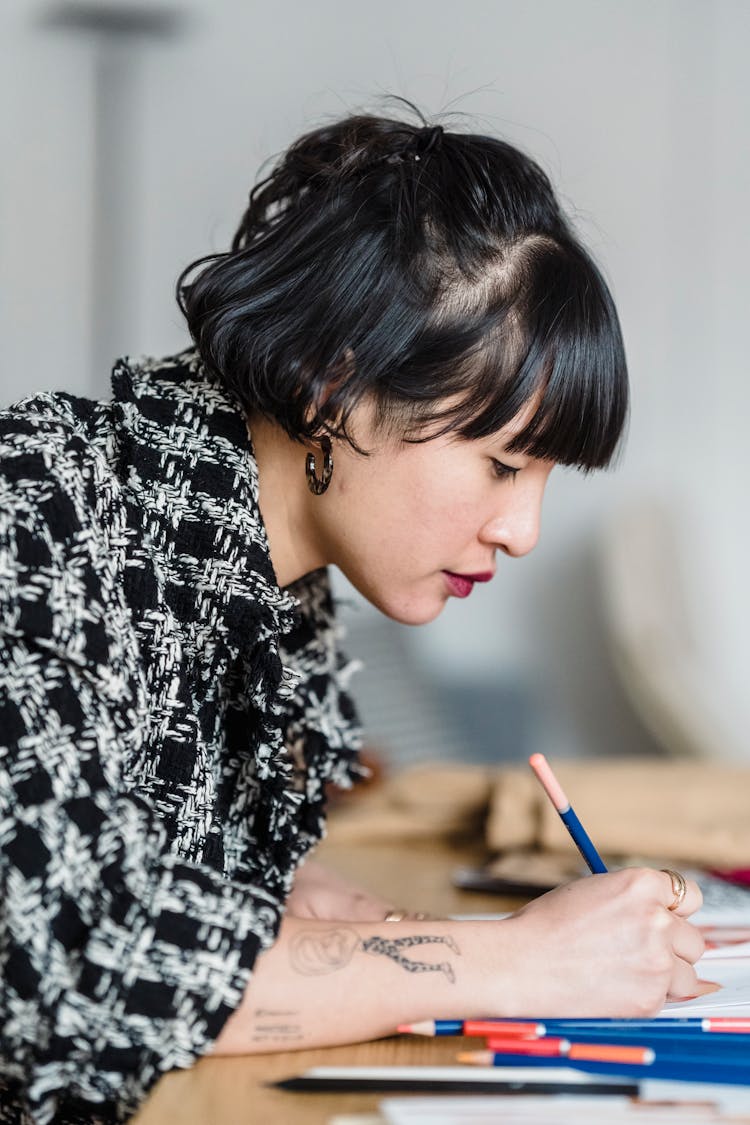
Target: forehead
506	434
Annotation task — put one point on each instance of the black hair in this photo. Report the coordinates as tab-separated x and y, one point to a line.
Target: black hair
432	270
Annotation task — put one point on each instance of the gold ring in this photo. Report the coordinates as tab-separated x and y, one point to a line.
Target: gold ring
400	915
679	887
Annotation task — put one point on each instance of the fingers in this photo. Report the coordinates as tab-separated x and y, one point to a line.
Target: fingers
685	983
671	928
673	898
659	884
688	942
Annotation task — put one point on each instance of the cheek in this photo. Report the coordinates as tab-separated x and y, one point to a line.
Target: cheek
415	511
427	531
450	510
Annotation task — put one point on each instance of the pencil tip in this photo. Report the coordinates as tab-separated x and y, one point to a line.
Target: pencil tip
423	1027
476	1058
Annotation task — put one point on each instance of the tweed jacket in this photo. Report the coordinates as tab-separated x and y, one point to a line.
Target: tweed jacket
169	719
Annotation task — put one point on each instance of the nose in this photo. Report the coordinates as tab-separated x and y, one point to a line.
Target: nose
514	529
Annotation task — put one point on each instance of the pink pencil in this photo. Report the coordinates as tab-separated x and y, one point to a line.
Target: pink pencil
554	791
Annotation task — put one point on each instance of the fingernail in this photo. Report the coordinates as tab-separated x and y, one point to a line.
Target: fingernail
706	987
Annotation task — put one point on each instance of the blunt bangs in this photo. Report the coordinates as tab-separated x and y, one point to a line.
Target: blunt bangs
550	334
578	354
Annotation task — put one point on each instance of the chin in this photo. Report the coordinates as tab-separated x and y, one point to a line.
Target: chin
407	607
411	613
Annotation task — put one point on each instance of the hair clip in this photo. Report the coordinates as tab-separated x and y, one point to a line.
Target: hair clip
429	138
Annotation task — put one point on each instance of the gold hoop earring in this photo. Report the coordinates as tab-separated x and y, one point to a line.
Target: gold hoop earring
318	484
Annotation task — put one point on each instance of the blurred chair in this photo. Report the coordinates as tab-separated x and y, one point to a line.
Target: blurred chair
411	716
653	636
398	706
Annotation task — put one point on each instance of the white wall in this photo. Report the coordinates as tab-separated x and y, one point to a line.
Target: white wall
45	206
727	507
639	112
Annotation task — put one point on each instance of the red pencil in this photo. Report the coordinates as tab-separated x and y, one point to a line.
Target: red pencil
594	1052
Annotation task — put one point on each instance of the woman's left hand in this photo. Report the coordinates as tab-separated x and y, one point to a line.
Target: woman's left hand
320	893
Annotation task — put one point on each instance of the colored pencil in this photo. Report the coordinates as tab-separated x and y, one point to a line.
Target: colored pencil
682	1069
579	835
563	1048
530	1028
713	1049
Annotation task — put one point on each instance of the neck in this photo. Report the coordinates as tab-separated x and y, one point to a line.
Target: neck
286	504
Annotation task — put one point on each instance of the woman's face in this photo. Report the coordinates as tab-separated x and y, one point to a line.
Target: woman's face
412	524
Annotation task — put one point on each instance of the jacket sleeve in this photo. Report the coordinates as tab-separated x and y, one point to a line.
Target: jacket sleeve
118	960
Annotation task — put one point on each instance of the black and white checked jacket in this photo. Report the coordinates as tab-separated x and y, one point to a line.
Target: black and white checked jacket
168	721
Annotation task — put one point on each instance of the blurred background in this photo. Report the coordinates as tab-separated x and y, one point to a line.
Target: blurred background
131	135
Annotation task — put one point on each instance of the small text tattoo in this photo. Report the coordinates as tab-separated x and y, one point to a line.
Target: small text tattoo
274	1025
277	1033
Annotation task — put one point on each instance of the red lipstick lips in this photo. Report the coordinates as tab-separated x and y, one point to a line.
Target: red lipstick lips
461	585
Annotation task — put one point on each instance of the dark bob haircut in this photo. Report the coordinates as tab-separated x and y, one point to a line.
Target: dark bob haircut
433	271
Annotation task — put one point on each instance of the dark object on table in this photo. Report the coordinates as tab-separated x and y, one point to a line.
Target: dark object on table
526	873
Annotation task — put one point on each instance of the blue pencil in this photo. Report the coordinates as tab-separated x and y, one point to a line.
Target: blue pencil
580	836
688	1069
687	1025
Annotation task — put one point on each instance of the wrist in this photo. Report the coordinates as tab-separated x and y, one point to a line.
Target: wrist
495	982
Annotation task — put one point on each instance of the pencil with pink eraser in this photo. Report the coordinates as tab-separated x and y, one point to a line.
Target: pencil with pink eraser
554	791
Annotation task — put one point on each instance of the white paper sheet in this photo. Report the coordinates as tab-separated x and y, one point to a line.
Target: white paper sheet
532	1110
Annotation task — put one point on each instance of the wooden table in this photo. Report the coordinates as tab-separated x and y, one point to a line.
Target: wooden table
235	1091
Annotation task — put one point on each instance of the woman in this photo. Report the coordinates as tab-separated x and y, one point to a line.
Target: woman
404	339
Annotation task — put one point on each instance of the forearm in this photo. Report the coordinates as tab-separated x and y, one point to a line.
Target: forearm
324	983
606	946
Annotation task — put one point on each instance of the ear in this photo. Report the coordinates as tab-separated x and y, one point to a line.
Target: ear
337	374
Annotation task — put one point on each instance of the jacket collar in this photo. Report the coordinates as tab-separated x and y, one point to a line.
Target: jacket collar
186	460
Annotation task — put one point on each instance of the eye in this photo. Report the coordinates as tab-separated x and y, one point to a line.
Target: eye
503	471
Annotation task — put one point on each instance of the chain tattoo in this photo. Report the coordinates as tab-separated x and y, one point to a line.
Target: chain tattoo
392	948
314	953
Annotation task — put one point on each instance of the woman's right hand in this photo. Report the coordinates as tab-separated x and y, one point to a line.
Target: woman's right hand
606	946
603	946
